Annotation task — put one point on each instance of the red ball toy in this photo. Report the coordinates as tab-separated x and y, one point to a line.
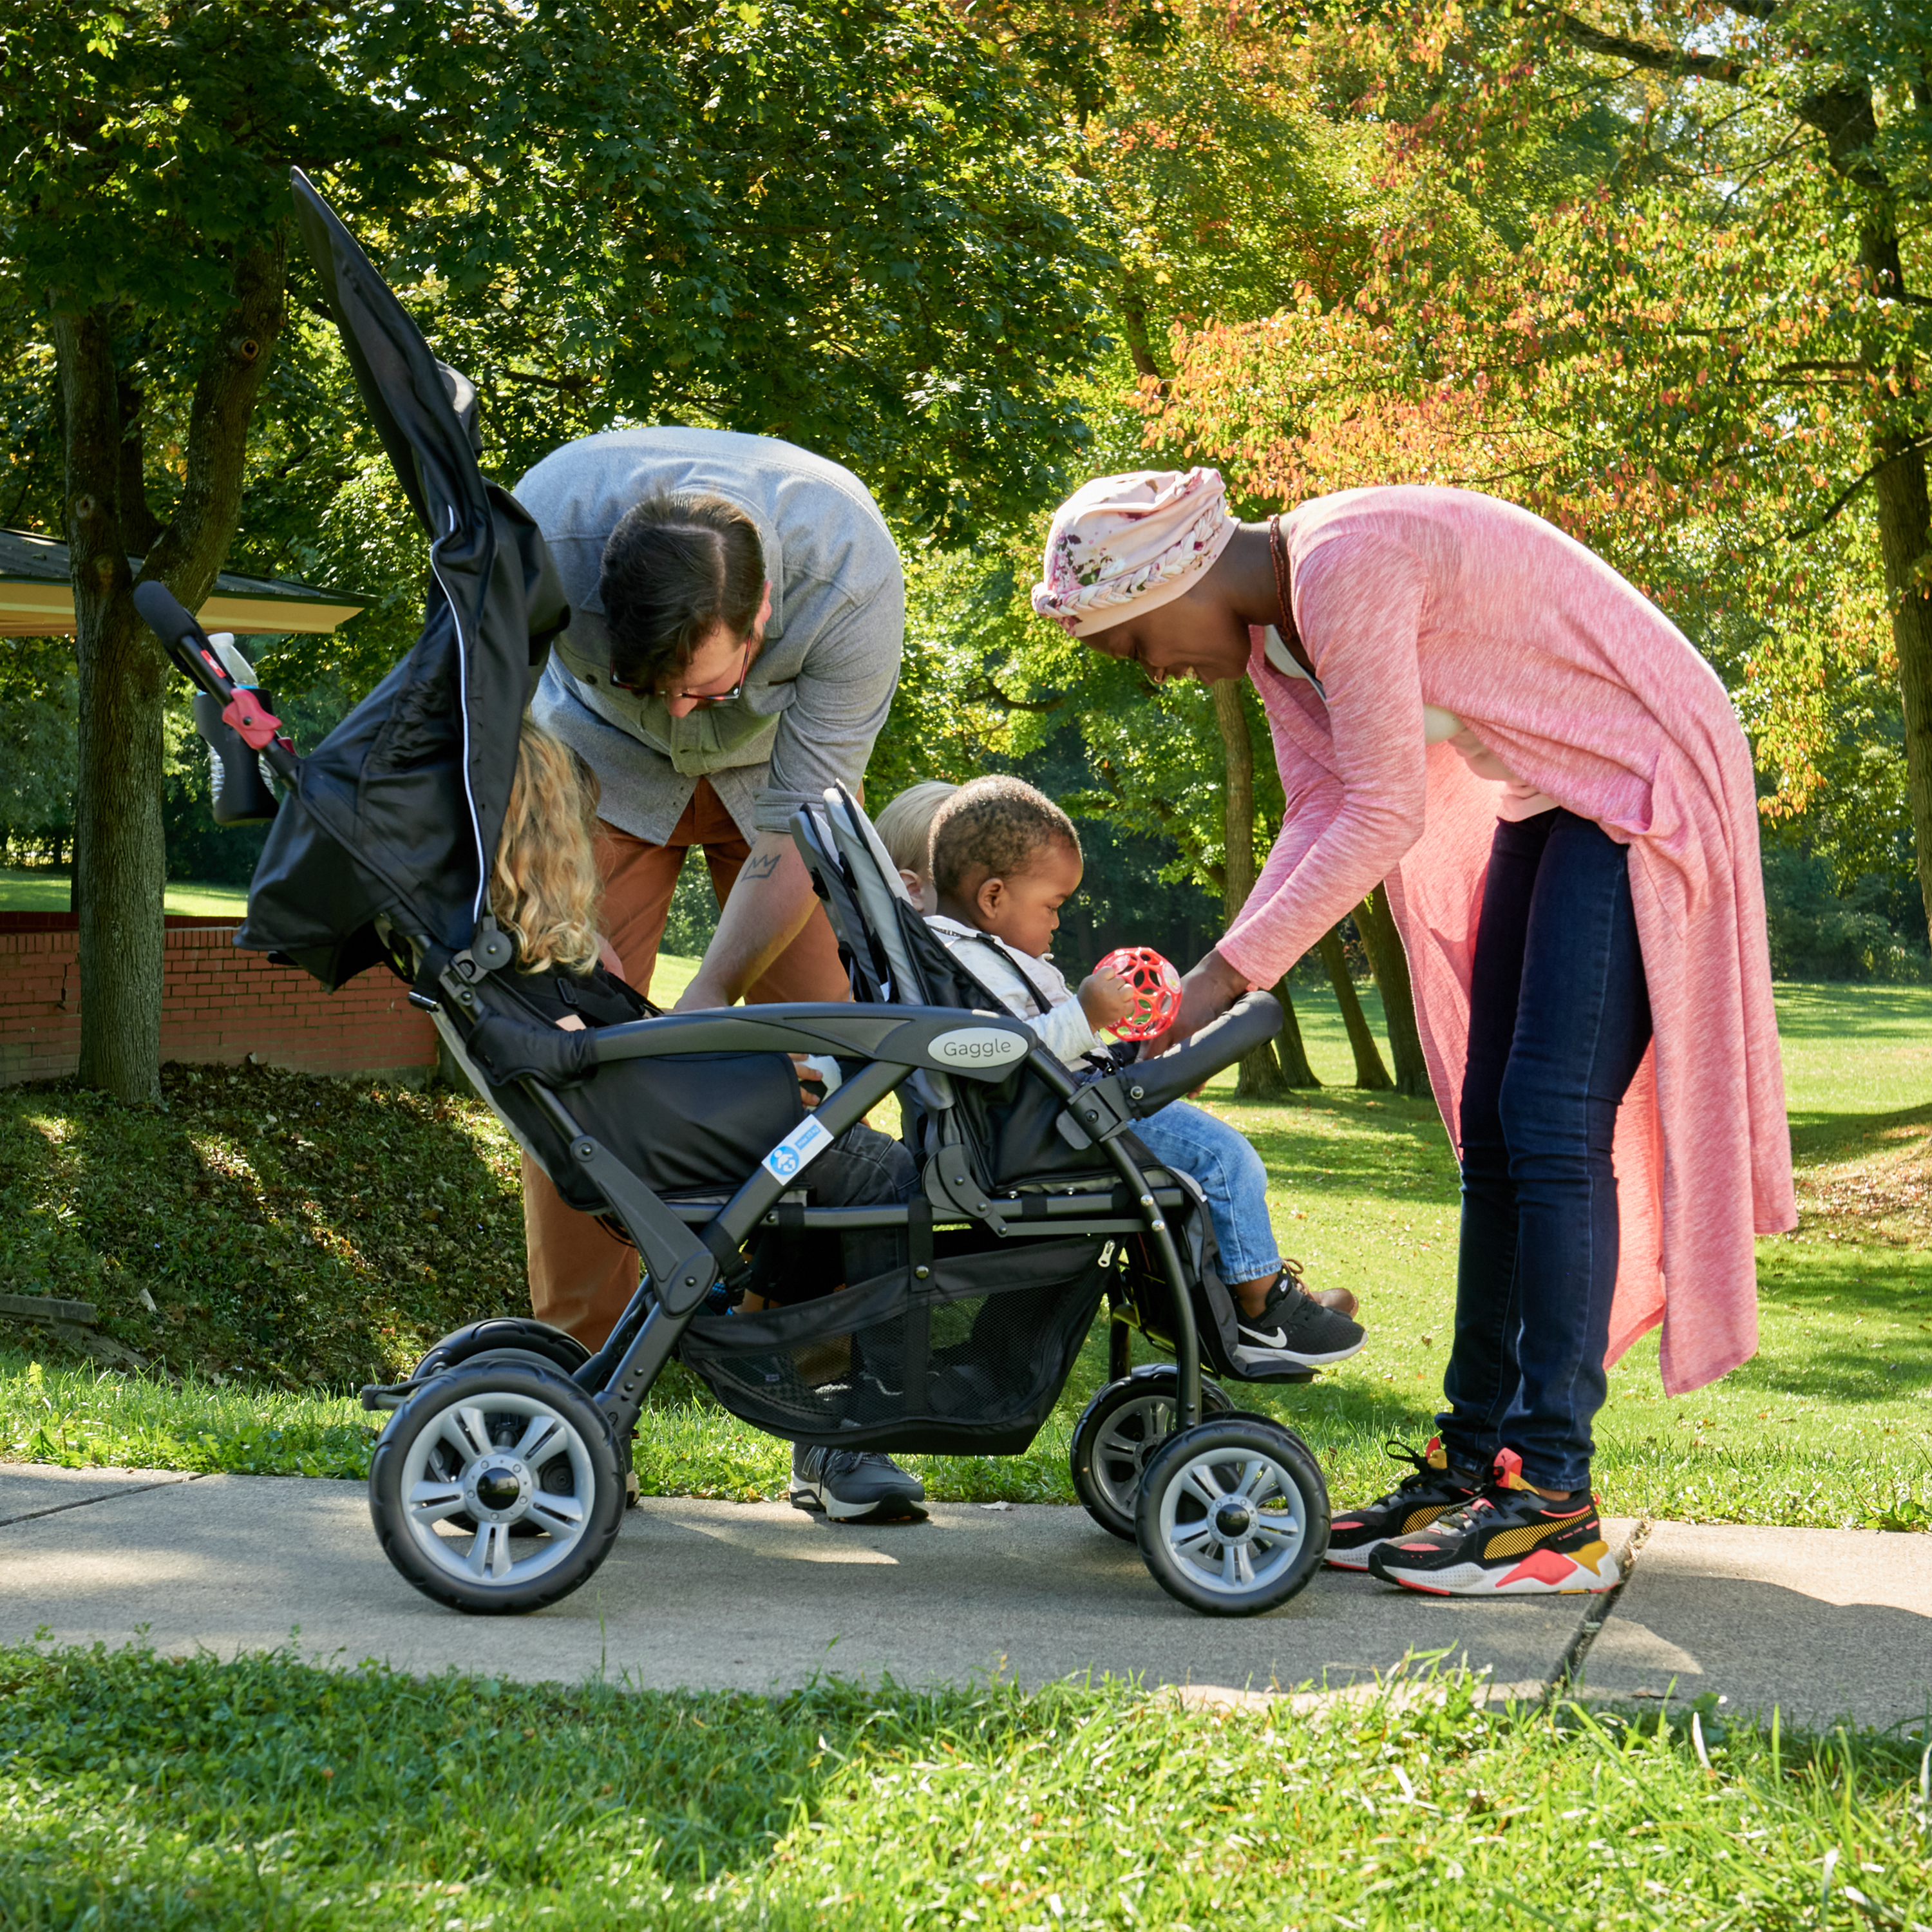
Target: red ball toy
1156	990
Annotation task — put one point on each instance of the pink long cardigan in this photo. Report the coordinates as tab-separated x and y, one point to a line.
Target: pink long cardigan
1585	689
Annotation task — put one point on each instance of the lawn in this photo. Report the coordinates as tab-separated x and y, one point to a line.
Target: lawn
146	1792
45	888
288	1230
284	1227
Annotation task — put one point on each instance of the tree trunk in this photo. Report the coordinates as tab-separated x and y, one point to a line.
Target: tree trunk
1376	923
1905	542
1294	1054
1259	1077
1140	342
120	859
1370	1073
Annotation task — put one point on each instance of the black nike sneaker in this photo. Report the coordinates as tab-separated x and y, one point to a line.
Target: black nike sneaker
1507	1542
1294	1330
1432	1490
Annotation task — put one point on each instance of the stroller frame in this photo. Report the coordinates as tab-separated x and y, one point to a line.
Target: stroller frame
899	1042
918	1050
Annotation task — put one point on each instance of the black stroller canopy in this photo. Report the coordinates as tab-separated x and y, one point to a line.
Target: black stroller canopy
398	811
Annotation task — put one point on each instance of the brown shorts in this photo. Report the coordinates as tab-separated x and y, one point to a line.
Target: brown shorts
580	1275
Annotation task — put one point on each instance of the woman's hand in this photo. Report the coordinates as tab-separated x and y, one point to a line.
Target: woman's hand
1207	992
1106	999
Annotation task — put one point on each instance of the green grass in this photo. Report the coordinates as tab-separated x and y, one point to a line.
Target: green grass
45	888
288	1230
152	1793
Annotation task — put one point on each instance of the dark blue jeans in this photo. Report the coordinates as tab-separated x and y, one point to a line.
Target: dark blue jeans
1559	1018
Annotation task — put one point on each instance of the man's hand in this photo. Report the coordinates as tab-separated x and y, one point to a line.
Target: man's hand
1207	992
771	899
1106	999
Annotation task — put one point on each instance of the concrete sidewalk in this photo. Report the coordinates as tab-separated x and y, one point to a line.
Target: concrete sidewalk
1825	1624
703	1595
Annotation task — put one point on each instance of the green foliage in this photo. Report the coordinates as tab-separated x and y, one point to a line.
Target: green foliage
846	226
172	1791
693	917
1866	932
39	707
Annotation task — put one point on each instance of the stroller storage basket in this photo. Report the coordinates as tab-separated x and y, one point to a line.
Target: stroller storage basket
968	1361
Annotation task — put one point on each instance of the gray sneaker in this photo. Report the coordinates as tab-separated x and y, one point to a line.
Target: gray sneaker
855	1486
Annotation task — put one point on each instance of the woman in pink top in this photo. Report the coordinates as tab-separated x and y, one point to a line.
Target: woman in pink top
1471	706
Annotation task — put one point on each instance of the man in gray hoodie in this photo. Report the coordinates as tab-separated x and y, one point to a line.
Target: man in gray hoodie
737	619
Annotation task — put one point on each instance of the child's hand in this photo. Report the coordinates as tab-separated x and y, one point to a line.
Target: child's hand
1106	999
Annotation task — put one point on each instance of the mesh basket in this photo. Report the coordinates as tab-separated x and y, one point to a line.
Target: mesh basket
968	1361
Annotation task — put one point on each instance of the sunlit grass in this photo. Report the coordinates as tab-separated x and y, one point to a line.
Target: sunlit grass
46	889
143	1791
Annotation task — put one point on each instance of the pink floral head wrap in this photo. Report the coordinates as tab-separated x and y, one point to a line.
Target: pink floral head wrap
1123	544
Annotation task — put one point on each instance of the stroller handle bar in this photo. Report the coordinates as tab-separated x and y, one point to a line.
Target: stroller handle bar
195	656
1146	1086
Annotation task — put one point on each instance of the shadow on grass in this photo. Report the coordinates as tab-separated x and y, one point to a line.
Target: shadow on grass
1343	1142
309	1232
1823	1012
1819	1139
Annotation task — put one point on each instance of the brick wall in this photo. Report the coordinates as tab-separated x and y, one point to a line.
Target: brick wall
217	1004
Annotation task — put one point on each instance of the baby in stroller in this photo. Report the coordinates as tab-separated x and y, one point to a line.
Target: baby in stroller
995	860
545	891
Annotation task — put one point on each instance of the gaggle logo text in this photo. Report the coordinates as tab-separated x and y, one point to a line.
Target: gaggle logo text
977	1046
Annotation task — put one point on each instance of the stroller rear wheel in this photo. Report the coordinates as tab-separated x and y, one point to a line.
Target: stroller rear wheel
504	1338
501	1447
1118	1433
1233	1515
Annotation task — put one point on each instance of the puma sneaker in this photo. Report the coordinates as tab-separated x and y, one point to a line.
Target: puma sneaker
1507	1542
1431	1490
1294	1330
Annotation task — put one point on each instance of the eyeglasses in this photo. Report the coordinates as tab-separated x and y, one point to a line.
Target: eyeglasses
699	698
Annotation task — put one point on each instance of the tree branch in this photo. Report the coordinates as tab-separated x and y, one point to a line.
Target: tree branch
1853	488
987	692
571	385
1645	54
187	553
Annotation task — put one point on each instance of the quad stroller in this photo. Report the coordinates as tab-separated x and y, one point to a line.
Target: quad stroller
498	1484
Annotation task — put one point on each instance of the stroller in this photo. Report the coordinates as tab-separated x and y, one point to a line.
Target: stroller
498	1483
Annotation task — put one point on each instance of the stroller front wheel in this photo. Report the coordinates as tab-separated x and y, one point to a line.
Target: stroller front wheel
1119	1433
1232	1518
484	1454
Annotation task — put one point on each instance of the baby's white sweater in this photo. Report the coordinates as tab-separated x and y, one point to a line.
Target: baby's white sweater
1033	990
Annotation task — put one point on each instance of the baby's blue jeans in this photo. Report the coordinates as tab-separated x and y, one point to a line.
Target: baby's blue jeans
1231	1176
